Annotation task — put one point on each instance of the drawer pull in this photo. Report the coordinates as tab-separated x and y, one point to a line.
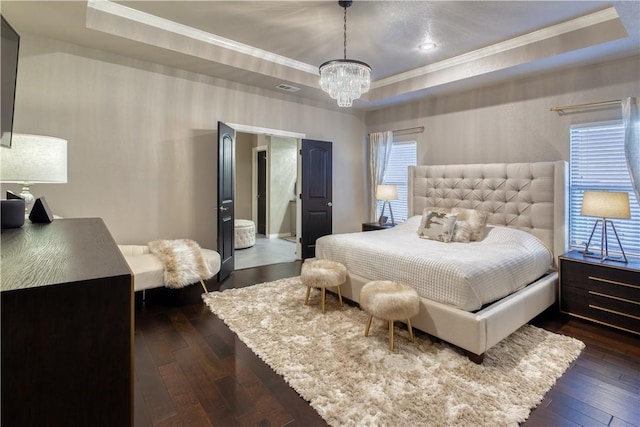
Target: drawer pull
612	297
613	282
614	312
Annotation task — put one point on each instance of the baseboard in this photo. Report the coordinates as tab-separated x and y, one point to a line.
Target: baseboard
278	236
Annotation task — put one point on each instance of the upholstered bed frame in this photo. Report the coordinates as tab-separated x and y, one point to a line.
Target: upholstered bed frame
527	196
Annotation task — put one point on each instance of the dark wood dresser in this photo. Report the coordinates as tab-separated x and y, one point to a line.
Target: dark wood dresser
67	326
604	292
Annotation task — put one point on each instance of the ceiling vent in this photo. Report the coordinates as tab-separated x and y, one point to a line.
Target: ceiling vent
287	88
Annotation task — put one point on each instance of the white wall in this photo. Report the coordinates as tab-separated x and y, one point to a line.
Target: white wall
511	122
142	139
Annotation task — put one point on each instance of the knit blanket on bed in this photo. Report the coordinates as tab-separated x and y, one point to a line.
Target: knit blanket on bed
182	260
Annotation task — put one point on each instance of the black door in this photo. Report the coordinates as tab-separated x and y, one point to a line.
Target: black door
226	164
316	194
262	192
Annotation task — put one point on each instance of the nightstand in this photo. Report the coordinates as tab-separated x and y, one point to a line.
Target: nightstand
372	226
603	292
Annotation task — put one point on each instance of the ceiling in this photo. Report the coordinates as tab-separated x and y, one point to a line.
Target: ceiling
267	43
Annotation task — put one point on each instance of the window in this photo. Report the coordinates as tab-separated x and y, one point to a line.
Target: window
597	162
403	155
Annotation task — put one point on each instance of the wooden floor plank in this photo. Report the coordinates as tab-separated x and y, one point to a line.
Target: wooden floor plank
606	368
235	396
163	344
600	395
141	417
617	422
204	387
576	410
601	374
190	412
268	411
632	381
549	419
150	386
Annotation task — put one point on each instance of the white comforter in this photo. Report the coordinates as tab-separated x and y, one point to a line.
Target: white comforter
465	275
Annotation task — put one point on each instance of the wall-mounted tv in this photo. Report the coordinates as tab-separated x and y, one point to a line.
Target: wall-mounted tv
9	47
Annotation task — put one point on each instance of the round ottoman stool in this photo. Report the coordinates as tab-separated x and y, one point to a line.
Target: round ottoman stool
321	273
389	301
244	233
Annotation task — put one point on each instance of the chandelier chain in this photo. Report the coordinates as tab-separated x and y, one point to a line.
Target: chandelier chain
345	32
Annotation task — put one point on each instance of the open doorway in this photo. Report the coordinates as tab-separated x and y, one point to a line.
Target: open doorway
266	176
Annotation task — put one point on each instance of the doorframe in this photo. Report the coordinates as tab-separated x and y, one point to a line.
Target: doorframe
299	201
257	130
266	131
254	185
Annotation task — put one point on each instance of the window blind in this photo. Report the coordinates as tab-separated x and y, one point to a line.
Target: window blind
403	155
598	163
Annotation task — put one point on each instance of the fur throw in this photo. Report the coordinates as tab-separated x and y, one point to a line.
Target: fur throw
182	260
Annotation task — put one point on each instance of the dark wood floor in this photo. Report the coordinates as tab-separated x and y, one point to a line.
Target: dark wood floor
191	370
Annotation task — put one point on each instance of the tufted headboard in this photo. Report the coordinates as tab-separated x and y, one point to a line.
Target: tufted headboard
527	196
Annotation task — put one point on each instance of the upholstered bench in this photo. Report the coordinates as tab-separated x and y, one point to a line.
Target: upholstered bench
147	269
321	273
244	233
389	301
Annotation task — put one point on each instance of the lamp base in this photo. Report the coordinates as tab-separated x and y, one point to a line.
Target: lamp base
604	244
383	219
27	197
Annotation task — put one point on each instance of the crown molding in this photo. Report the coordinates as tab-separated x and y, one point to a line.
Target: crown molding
111	8
586	21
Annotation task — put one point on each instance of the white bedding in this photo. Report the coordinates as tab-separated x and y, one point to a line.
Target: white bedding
464	275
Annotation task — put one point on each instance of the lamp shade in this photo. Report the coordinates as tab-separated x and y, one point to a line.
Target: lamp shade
386	192
34	159
606	204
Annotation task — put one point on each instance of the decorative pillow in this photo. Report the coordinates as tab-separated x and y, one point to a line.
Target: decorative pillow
439	226
462	232
476	220
425	214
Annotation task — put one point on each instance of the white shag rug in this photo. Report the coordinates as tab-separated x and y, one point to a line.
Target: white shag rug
353	380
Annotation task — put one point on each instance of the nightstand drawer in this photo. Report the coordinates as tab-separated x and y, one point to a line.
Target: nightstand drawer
619	283
601	307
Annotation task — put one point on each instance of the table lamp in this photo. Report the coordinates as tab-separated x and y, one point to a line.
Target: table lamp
34	159
386	192
605	205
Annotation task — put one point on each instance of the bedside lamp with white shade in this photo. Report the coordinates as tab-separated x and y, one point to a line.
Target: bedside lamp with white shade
34	159
386	192
606	205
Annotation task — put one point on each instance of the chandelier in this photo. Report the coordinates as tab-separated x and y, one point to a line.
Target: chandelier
345	79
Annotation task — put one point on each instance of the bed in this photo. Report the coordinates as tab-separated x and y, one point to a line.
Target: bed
524	201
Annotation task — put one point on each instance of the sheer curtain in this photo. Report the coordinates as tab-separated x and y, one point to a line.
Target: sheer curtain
380	144
631	121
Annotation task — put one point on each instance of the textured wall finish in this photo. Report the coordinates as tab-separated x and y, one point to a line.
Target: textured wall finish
142	139
511	122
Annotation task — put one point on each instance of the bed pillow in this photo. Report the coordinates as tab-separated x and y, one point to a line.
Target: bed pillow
476	220
462	232
439	226
425	214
